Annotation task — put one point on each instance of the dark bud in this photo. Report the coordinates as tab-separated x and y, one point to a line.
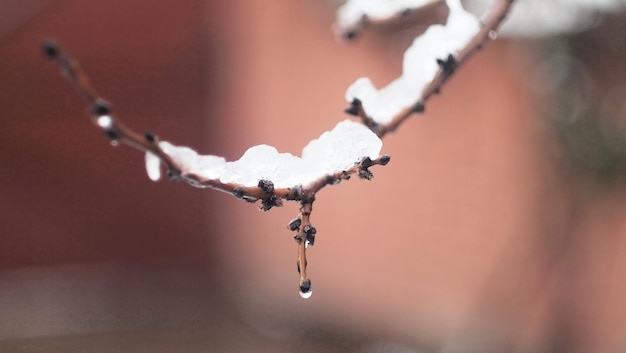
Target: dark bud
354	107
366	162
266	185
297	238
272	201
51	49
366	174
349	35
384	159
238	192
448	65
101	107
295	224
305	286
112	135
352	110
150	137
419	108
173	174
309	232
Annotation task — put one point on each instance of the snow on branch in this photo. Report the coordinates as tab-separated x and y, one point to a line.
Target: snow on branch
432	58
264	174
357	14
336	150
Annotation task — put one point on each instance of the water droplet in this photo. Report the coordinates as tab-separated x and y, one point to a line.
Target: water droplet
306	295
305	289
493	35
104	121
114	143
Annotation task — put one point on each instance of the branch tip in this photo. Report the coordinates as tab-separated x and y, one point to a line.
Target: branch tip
384	159
305	288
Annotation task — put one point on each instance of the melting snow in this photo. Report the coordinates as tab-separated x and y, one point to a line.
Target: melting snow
353	11
333	151
419	66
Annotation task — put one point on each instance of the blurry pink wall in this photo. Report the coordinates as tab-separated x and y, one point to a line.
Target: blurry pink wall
474	232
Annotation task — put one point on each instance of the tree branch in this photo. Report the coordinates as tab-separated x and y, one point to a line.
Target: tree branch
265	191
270	197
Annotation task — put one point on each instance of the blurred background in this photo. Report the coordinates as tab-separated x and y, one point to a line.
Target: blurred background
498	226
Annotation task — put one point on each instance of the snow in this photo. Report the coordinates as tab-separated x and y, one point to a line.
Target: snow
153	166
334	151
419	66
105	121
353	11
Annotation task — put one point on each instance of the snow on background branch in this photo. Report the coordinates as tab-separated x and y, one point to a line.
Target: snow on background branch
420	65
355	14
542	18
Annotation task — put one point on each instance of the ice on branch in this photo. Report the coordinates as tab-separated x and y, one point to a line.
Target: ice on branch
420	65
336	150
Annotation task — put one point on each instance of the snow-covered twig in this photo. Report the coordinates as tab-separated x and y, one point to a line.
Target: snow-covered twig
349	149
428	63
260	174
356	15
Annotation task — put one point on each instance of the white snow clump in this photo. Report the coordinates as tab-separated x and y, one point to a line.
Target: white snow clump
350	14
419	66
336	150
